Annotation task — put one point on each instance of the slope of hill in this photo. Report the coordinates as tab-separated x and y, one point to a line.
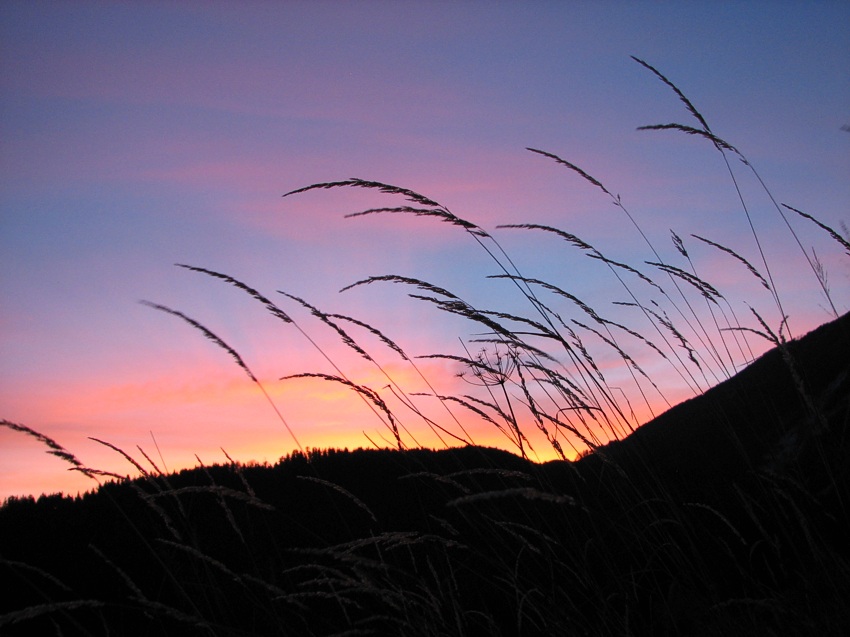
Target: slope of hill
790	405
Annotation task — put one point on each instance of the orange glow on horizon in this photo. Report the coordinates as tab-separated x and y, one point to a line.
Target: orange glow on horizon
184	415
204	403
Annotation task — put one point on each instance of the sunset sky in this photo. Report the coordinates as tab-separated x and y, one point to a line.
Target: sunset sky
137	135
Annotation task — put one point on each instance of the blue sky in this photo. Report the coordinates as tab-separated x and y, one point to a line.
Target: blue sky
137	135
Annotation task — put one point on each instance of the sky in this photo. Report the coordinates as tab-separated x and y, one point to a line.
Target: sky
138	135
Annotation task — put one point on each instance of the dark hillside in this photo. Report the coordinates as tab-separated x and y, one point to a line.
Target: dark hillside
786	406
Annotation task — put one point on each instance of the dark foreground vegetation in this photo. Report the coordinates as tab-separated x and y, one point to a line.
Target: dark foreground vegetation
726	515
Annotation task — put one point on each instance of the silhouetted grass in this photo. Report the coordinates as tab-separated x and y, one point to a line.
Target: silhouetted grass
727	514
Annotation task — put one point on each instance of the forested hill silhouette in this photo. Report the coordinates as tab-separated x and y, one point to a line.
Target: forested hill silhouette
728	513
